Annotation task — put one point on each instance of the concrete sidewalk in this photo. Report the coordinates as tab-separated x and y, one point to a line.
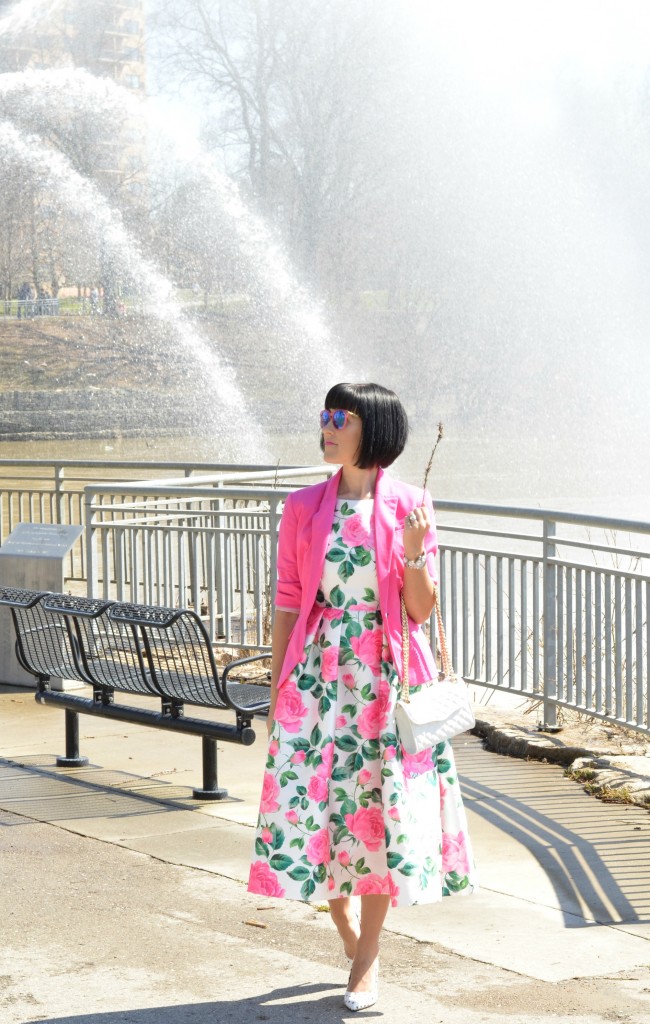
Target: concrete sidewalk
153	924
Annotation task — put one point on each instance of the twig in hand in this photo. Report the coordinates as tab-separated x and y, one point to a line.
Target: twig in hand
441	433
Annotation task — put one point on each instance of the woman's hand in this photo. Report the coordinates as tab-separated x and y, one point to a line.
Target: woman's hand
416	526
418	586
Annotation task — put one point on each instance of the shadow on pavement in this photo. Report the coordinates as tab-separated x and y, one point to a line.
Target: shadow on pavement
307	1004
596	856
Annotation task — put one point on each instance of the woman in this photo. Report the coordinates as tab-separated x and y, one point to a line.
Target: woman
345	812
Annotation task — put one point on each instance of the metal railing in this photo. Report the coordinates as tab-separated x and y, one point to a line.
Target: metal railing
550	605
26	309
208	543
545	604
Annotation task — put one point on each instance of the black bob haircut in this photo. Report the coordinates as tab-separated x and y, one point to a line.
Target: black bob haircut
384	423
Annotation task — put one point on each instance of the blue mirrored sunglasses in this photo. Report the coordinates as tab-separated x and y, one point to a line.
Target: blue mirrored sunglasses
337	417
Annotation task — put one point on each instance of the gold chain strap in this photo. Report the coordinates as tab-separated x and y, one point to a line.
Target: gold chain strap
447	670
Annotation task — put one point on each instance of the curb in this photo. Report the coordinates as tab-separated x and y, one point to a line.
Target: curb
614	778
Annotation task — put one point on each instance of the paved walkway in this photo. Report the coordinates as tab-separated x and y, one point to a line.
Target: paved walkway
124	899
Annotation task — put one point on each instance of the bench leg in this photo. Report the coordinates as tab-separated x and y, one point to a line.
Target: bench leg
72	757
210	789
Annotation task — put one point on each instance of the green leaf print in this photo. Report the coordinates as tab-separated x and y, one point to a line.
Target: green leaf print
297	843
393	859
353	629
299	873
306	682
377	796
300	744
324	705
346	655
349	709
360	865
320	873
406	869
443	765
358	762
308	888
402	838
337	819
280	861
339	774
348	806
386	773
456	882
261	849
370	750
304	803
335	555
366	691
346	888
295	800
337	597
316	736
360	556
440	748
287	777
301	790
369	595
346	510
345	570
346	742
364	799
340	833
278	838
370	620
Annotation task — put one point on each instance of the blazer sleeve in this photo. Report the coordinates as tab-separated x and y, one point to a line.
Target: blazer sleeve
431	540
288	591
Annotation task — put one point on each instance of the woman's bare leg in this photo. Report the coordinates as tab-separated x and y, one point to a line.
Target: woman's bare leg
347	923
373	915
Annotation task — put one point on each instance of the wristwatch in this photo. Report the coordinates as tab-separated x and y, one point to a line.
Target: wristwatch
416	563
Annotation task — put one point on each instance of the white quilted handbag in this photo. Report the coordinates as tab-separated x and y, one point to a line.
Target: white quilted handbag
440	709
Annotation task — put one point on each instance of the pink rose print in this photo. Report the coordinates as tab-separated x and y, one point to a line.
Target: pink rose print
362	607
364	776
367	648
298	757
263	880
274	746
331	884
390	753
318	788
393	812
344	858
375	885
454	853
290	710
267	835
348	680
292	817
329	664
443	794
355	533
318	848
270	790
367	825
327	755
417	764
374	716
340	721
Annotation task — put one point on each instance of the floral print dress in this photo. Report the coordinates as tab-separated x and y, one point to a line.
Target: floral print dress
344	809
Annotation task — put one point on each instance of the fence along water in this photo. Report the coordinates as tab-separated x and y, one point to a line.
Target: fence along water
546	604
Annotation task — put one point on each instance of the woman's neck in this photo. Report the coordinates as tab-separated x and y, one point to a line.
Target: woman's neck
357	483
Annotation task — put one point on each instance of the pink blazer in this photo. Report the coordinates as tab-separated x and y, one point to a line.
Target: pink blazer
304	531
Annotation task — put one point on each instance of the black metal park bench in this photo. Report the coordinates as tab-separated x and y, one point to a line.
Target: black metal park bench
142	650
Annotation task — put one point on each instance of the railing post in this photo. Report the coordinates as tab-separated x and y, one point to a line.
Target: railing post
92	582
549	627
58	492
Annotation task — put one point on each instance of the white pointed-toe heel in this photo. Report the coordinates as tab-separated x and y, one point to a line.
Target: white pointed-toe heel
363	1000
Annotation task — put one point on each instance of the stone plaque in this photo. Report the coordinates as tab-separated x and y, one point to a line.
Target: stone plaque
32	557
41	540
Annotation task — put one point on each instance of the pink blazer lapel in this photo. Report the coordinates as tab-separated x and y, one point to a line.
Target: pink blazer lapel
321	526
385	514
